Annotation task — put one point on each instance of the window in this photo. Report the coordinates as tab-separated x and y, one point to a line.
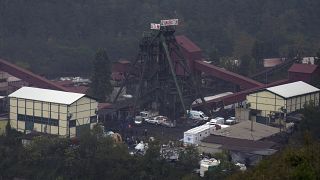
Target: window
72	123
21	117
39	120
54	122
29	118
93	119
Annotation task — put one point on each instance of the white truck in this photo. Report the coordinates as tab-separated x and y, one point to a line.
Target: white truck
195	135
197	115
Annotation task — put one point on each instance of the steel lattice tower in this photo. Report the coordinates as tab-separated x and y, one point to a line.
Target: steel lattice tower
157	85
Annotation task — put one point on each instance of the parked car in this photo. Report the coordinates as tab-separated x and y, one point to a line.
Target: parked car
168	124
148	114
143	115
138	121
217	120
231	121
156	119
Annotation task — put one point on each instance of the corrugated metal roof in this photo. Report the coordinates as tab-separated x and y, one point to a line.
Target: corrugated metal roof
46	95
210	98
198	129
293	89
242	130
303	68
237	144
272	62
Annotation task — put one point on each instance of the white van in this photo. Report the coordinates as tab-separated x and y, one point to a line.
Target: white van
197	115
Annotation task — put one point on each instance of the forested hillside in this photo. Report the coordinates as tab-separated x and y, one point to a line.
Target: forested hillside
61	37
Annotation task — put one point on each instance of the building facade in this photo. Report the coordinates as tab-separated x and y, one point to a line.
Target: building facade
53	112
286	98
304	72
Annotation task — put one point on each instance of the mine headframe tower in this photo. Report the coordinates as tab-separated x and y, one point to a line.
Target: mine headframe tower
164	79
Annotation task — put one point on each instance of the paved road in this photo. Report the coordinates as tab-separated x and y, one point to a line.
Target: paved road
146	130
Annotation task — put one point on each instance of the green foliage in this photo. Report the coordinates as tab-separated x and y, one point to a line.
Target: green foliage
247	65
8	128
299	160
224	169
229	64
94	157
292	163
214	56
191	177
101	73
58	38
310	123
189	159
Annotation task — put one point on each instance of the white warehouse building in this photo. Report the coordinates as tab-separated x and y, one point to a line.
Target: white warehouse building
286	98
50	111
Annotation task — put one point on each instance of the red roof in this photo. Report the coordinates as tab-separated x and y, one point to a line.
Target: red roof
123	61
28	76
241	96
117	76
303	68
226	75
78	89
65	83
104	106
187	44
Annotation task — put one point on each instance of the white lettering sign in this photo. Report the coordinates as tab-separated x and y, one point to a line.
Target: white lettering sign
169	22
154	26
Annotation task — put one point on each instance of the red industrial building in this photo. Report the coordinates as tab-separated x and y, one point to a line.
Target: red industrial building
304	72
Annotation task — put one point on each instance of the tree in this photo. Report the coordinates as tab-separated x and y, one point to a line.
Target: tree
247	65
258	52
189	158
224	169
101	73
214	56
317	60
310	122
8	128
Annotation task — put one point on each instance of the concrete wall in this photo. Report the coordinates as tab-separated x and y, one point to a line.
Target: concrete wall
242	114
